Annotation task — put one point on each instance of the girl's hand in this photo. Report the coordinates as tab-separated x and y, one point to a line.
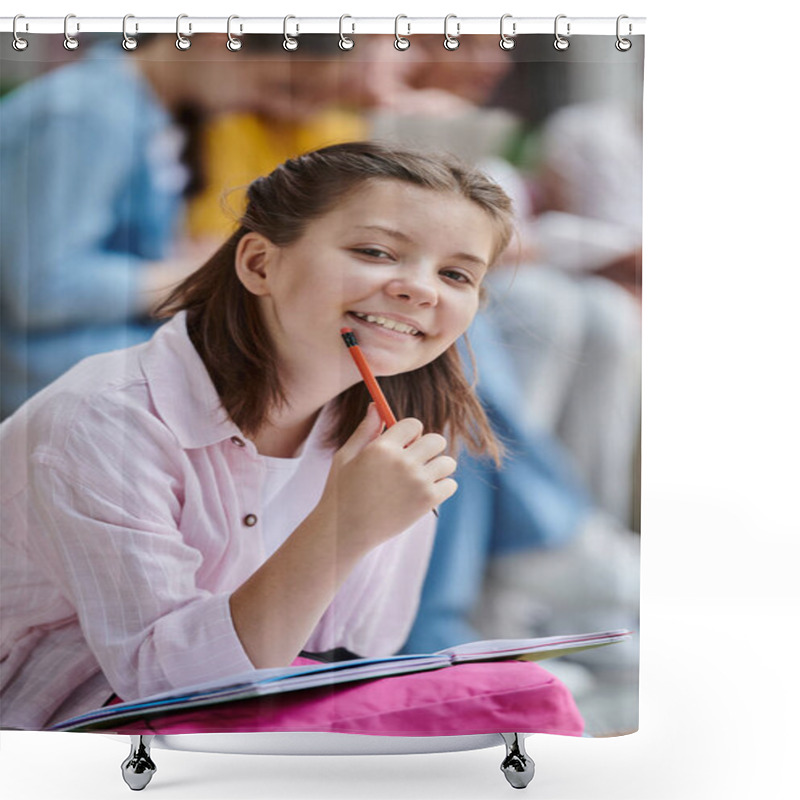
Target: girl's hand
381	483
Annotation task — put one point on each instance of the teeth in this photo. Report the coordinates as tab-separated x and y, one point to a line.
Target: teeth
391	324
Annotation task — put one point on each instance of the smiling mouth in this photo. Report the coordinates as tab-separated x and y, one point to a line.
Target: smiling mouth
389	324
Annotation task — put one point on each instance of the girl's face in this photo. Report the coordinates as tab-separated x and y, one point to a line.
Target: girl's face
399	264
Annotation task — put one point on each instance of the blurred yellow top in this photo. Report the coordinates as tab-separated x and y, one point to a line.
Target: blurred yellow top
240	147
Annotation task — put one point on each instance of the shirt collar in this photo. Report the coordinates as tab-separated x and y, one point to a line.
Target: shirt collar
182	391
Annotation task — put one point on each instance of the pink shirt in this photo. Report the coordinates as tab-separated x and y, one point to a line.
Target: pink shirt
131	508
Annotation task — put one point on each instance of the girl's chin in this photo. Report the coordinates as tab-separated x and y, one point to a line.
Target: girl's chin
386	363
387	370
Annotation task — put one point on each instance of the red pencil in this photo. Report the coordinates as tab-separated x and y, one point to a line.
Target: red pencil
375	392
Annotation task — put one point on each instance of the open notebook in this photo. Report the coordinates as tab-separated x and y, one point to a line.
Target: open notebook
298	677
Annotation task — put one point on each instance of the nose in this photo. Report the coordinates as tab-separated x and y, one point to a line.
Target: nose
415	287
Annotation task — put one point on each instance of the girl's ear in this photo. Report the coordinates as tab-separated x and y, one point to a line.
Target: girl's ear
254	254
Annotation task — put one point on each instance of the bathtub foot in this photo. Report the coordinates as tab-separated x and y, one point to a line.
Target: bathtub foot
138	768
518	766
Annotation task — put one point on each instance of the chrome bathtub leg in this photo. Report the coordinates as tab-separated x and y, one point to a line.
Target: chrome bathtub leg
138	768
518	766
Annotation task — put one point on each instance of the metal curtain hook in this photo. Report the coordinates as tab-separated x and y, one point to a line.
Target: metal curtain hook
623	44
18	43
128	42
289	42
345	43
400	42
561	43
234	43
451	42
506	41
182	43
70	42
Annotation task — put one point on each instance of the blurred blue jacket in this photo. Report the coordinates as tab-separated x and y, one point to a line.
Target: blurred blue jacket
90	192
534	500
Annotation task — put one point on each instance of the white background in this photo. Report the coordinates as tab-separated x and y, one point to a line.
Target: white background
719	706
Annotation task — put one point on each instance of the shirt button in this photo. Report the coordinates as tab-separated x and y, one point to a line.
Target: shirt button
250	520
237	441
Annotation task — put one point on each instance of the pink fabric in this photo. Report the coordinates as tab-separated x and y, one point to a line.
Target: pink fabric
497	697
131	508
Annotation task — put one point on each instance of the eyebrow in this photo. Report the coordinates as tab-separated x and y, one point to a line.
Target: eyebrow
402	237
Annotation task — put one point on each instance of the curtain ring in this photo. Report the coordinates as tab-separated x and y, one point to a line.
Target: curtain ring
18	43
182	43
345	43
289	42
234	43
70	42
507	42
400	42
623	44
128	42
561	43
451	42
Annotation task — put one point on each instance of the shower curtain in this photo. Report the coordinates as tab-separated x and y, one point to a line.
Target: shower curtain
125	169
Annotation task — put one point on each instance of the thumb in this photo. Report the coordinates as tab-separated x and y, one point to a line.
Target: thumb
368	429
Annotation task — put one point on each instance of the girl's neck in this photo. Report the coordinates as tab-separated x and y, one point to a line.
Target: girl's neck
306	393
289	426
283	439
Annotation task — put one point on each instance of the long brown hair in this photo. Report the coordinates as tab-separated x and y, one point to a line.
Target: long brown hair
226	327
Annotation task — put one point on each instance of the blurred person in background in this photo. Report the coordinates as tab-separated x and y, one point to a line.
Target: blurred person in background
371	91
569	308
323	104
567	311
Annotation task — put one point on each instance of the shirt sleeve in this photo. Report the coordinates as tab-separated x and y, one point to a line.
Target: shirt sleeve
108	533
64	185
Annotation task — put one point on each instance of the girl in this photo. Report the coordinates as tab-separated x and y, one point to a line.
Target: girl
222	496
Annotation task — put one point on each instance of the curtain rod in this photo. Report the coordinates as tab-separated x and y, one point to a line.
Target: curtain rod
297	25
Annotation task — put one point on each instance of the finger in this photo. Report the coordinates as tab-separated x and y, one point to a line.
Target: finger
440	467
445	488
427	447
404	432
